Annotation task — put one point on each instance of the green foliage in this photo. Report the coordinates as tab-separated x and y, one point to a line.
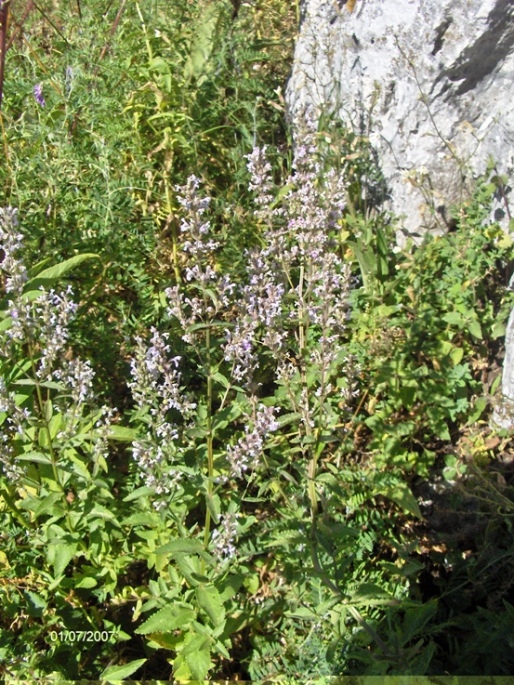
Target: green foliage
319	559
423	323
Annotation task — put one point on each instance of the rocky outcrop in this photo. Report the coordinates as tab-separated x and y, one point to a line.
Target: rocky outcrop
430	82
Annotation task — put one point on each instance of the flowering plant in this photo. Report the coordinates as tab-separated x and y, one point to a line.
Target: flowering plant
53	437
262	354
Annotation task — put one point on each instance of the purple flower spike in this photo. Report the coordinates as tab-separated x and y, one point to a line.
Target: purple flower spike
38	94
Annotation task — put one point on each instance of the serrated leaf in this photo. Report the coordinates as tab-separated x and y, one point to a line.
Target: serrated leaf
99	511
209	600
117	673
181	672
47	503
197	654
35	604
166	620
143	518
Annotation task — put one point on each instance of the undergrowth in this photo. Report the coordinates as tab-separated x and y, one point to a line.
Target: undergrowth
242	437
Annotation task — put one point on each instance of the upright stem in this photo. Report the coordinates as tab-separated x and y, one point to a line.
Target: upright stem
302	334
210	454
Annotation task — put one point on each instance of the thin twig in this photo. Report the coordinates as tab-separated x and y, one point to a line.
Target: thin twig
111	34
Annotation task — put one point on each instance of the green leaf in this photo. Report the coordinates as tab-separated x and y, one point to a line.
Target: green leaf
475	329
35	603
382	253
221	379
303	613
139	492
122	433
214	506
478	409
366	259
99	511
190	568
455	319
116	673
401	495
86	583
499	329
142	518
209	600
287	419
36	457
415	620
181	545
47	503
456	355
369	591
167	620
181	672
59	553
197	654
41	384
47	277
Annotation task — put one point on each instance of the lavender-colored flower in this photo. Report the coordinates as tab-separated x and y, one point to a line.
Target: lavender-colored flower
53	314
38	95
77	377
156	379
224	537
12	243
208	292
298	286
156	387
246	453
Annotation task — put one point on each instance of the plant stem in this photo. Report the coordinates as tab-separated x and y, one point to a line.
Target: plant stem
210	455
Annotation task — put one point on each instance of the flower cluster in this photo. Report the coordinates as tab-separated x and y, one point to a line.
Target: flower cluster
214	292
40	325
297	292
293	307
156	387
38	95
224	536
245	455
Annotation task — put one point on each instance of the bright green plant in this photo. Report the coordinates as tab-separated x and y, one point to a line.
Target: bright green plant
422	324
64	539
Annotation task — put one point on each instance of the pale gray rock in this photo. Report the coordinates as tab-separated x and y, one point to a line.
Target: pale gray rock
430	82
